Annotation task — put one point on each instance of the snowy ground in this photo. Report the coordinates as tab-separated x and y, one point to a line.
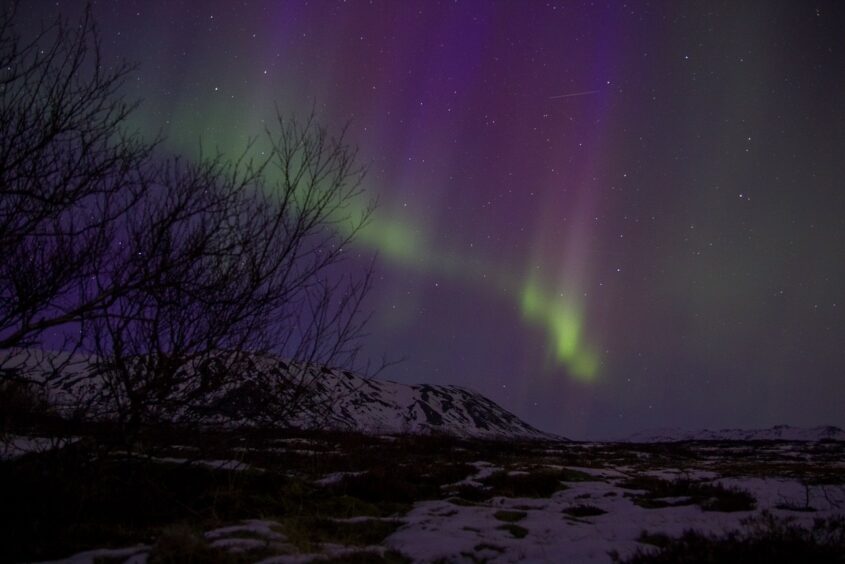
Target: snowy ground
483	502
439	529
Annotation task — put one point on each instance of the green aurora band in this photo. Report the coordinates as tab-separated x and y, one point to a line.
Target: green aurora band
561	318
396	238
563	321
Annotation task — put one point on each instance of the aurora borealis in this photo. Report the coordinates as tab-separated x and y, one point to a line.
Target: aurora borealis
605	216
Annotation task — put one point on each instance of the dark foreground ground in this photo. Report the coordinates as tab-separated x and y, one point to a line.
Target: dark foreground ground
300	497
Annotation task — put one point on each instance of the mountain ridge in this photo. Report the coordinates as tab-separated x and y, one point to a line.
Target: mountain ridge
334	399
775	433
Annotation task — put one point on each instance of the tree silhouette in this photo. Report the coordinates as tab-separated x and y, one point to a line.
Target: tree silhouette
68	172
241	261
177	276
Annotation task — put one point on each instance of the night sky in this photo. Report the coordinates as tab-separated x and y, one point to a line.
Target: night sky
605	216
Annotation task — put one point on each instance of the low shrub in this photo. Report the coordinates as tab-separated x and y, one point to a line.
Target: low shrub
534	484
510	516
708	496
583	510
764	538
516	531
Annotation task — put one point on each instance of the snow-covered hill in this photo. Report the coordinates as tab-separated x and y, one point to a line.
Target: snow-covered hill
776	433
380	406
333	399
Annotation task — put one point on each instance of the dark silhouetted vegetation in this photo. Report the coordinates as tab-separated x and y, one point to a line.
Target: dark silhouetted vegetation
764	539
708	496
163	280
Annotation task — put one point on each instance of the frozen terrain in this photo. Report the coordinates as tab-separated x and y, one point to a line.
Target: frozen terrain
333	399
433	499
385	472
776	433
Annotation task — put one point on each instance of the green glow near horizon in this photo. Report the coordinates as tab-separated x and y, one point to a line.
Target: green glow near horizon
560	318
403	242
393	240
563	321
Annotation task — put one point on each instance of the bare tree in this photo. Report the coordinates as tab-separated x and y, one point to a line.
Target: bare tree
68	171
180	278
241	262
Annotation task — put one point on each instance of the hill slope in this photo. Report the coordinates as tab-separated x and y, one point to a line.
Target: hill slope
372	405
332	399
776	433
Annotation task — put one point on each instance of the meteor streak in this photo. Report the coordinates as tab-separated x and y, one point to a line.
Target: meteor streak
573	94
